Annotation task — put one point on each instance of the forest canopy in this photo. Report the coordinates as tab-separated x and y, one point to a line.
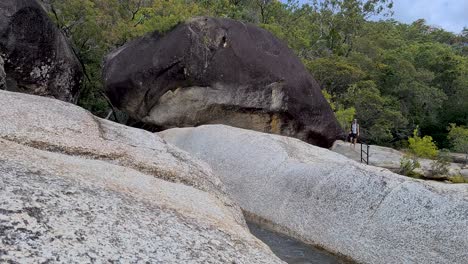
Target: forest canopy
391	76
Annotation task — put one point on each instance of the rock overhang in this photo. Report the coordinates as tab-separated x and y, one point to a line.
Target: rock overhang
225	69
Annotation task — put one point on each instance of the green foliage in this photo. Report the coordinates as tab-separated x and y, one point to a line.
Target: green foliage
378	115
335	73
458	136
440	166
95	27
341	20
391	76
457	179
162	16
422	147
345	117
329	98
408	165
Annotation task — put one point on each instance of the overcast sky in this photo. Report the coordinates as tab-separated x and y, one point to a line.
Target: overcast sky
452	15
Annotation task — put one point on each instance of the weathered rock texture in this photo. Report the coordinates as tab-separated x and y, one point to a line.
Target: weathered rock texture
390	159
38	58
78	189
2	74
219	71
367	213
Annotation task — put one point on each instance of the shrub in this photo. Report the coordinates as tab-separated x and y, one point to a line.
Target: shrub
422	147
345	117
407	166
457	179
342	114
440	167
329	99
458	136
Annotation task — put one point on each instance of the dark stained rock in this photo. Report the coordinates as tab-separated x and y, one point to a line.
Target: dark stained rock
2	74
219	71
38	58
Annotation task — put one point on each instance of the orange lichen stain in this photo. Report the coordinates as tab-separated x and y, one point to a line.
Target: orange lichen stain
275	124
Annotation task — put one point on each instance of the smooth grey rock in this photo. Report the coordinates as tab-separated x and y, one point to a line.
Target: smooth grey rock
461	158
48	124
321	197
78	189
464	174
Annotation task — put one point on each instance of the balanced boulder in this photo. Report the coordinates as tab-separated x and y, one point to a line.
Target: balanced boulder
367	213
38	58
78	189
219	71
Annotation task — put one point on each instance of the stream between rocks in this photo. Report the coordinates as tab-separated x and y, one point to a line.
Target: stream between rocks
291	250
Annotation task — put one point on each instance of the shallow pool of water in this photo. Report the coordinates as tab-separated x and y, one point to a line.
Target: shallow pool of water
291	250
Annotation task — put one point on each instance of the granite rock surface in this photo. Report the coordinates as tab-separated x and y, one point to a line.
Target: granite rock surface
321	197
78	189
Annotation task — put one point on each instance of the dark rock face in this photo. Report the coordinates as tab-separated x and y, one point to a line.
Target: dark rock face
219	71
38	58
2	74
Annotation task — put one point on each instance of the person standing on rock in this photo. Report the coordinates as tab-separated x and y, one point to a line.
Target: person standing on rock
354	132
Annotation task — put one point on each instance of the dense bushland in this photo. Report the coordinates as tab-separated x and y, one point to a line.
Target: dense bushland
392	76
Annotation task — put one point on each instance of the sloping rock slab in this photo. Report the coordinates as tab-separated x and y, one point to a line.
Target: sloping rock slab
60	209
38	57
367	213
219	71
78	189
51	125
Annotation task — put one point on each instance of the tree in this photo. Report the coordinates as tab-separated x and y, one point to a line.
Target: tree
392	76
458	136
342	114
95	27
334	73
378	115
341	20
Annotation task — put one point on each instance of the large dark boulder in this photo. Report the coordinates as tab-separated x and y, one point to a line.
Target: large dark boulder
219	71
38	58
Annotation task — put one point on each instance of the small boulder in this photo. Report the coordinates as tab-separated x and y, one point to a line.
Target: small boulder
38	58
219	71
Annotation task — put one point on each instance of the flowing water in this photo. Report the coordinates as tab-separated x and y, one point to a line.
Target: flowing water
291	250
